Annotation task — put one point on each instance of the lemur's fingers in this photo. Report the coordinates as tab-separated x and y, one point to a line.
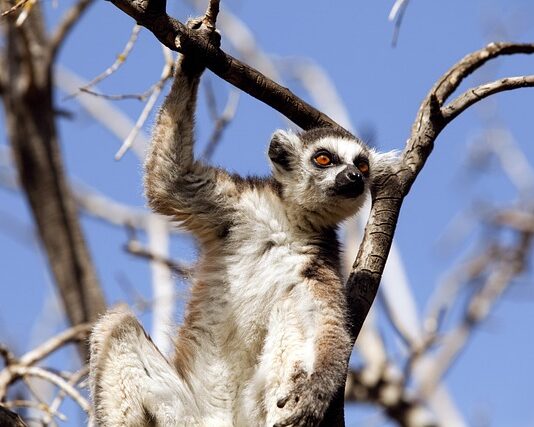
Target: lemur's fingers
194	65
200	25
195	23
306	401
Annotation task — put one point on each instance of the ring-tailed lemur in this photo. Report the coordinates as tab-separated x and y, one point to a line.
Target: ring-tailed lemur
264	340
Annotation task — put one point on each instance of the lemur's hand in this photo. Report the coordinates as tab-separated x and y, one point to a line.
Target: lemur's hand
306	401
194	65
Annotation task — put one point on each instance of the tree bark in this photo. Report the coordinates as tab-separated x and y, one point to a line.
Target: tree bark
31	127
10	419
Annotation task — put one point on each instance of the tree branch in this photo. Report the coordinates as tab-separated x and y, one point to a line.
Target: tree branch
63	29
472	96
151	14
395	184
389	392
13	365
28	99
210	17
450	81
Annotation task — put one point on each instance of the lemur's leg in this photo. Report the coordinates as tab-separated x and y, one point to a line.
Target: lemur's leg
175	183
306	353
132	384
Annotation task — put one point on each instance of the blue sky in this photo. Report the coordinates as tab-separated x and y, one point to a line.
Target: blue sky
381	87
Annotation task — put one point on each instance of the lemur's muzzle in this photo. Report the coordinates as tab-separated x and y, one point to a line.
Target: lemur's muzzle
349	182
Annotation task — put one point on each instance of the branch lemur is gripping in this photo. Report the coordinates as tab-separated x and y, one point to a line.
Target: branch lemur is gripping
264	341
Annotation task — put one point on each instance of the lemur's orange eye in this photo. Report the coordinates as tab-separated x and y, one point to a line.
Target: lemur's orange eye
323	159
363	166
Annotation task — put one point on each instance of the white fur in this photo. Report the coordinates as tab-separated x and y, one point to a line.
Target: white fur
267	305
269	308
136	377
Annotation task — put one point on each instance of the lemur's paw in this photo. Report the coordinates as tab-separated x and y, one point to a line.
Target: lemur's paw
306	401
194	65
199	25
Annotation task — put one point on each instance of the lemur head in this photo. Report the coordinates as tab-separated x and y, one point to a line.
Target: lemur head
322	172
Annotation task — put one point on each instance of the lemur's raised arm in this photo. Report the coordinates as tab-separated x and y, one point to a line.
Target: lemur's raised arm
176	184
264	341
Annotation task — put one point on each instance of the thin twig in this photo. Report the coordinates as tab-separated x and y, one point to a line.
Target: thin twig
397	14
56	403
68	21
221	123
152	15
13	8
121	59
135	248
74	334
34	371
166	74
26	9
18	403
139	96
474	95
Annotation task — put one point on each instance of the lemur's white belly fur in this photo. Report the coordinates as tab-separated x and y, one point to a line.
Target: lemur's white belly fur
260	290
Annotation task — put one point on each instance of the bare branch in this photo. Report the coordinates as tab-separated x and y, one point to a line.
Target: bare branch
474	95
450	81
389	392
135	248
14	367
210	17
70	18
56	403
103	111
151	14
21	371
75	334
36	152
121	58
397	14
395	181
13	8
139	96
510	263
166	74
221	123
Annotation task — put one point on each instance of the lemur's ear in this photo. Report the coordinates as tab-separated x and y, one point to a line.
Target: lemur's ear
282	149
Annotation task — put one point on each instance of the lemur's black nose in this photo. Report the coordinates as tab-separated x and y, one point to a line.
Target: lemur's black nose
352	175
349	182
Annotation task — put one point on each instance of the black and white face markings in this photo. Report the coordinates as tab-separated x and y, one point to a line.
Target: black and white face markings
321	172
339	164
350	172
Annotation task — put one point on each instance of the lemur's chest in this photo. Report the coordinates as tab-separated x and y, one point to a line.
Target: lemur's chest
266	256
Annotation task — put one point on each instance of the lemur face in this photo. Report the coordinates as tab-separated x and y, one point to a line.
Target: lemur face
321	171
